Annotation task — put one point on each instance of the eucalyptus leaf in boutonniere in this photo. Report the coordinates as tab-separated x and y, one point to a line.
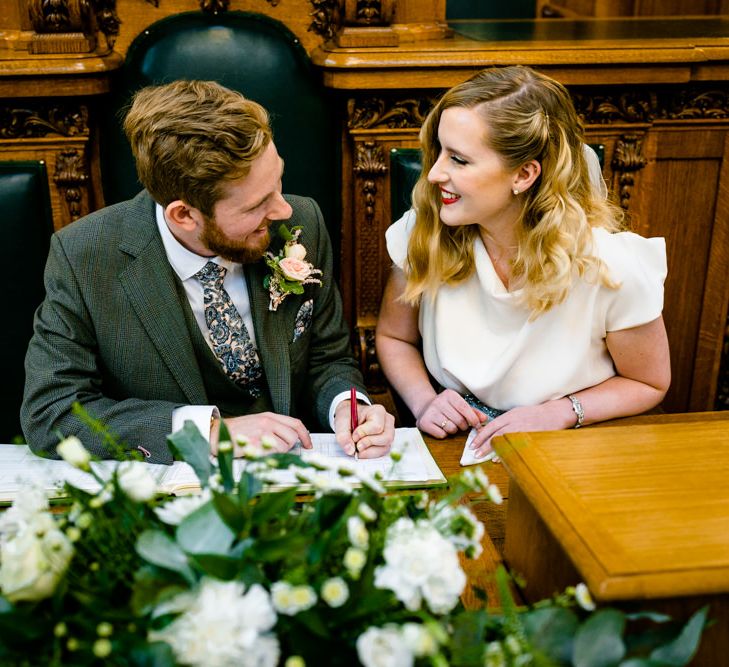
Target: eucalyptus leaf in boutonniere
289	269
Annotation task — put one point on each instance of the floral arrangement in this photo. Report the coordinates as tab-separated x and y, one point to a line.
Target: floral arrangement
238	575
289	270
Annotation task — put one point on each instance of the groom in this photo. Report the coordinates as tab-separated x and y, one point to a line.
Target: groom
186	303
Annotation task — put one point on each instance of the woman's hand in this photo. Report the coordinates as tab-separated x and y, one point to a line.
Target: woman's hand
446	414
549	416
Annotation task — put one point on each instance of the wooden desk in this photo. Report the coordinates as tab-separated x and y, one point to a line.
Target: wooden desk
638	512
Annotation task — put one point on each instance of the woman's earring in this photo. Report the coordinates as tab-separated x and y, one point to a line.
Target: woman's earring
516	191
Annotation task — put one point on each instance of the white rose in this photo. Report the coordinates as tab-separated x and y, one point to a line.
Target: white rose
383	647
72	451
295	269
136	481
29	501
174	511
34	561
295	250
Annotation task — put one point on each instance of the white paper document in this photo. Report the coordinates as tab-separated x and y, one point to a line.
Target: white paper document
19	467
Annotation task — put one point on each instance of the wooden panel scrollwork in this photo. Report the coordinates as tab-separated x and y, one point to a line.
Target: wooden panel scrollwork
326	18
627	159
23	121
71	178
378	113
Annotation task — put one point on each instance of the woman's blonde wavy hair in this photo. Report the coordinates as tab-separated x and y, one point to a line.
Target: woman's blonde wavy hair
528	116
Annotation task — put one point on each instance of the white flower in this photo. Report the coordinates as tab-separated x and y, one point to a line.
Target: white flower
174	511
494	494
420	563
29	502
460	526
583	597
290	600
223	626
357	532
295	250
34	559
495	655
354	561
419	640
335	592
72	451
136	481
366	512
384	647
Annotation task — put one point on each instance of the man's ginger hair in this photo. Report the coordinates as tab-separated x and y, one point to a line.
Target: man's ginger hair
190	138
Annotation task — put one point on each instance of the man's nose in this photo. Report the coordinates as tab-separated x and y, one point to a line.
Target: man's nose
281	209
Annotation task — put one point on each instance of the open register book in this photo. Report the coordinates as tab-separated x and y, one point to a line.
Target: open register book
19	467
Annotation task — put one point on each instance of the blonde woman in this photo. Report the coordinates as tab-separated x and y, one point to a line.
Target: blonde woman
513	286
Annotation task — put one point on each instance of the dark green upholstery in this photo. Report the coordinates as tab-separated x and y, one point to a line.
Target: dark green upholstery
24	240
405	169
250	53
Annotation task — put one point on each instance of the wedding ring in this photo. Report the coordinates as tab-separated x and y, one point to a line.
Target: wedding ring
443	424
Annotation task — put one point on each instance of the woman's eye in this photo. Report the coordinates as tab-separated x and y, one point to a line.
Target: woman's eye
458	160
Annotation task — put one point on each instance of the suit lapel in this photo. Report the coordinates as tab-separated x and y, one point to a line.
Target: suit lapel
271	338
149	283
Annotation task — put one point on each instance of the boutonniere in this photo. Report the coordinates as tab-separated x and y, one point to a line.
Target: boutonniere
289	270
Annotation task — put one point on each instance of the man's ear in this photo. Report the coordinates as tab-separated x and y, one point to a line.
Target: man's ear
526	175
184	217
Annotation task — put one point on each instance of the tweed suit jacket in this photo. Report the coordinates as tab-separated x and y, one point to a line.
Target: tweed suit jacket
112	335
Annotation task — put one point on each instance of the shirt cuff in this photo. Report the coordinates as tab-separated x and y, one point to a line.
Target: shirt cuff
200	415
344	396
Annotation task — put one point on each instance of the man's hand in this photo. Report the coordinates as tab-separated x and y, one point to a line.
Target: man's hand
374	435
282	431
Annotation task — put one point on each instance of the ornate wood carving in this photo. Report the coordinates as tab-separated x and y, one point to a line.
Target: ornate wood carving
24	122
627	159
628	106
369	162
107	20
367	357
214	6
326	18
694	103
377	112
70	176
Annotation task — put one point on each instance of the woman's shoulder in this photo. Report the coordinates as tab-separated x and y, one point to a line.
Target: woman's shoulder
627	254
397	237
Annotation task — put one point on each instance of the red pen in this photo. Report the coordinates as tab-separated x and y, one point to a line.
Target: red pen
353	418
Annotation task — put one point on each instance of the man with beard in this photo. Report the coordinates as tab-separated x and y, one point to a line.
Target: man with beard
162	308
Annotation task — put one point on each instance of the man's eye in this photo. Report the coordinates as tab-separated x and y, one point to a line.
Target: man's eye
458	160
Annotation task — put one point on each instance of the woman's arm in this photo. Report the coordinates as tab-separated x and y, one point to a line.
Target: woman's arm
643	370
398	350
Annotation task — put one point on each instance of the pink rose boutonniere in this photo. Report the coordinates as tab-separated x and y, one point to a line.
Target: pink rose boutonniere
289	270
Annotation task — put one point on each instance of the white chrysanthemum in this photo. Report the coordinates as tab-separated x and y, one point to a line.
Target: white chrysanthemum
583	597
174	511
136	481
460	526
324	482
384	647
335	592
420	563
357	532
354	561
419	640
223	626
290	600
494	494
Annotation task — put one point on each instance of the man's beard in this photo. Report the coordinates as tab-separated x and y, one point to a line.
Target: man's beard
240	252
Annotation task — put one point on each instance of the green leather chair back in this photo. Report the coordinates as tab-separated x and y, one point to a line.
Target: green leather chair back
405	170
255	55
24	241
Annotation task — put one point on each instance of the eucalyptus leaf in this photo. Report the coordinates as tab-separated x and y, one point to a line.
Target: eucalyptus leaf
204	532
159	549
232	513
468	638
221	567
194	449
274	505
680	651
249	487
599	642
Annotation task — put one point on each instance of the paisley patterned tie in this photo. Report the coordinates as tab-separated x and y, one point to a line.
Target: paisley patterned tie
232	344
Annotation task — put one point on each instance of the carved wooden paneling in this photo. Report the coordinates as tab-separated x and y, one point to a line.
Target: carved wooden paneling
326	18
627	159
71	177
